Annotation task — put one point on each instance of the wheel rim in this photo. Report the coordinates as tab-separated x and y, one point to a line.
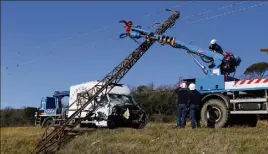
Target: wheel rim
214	114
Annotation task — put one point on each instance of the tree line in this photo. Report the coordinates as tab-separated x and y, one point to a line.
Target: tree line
158	101
17	117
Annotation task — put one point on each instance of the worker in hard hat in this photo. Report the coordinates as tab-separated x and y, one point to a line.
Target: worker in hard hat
194	102
215	47
182	99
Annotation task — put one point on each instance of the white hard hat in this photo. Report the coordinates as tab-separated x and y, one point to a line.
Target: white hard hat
183	85
192	86
213	41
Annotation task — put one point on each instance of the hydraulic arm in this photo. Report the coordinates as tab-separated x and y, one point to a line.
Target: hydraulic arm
219	63
61	93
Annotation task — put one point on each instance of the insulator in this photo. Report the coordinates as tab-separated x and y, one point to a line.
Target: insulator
167	39
173	41
158	38
163	38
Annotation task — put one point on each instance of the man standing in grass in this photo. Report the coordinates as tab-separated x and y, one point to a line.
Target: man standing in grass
182	98
194	101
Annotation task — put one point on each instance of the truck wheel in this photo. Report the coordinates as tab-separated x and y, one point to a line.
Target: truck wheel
143	122
215	113
111	122
47	122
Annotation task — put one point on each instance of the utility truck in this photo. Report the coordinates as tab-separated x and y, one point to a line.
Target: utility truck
115	109
51	108
226	100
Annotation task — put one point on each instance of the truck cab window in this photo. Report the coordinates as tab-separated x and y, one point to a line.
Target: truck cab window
117	99
50	103
43	103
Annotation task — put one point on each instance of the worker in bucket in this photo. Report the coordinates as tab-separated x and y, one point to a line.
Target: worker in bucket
194	102
182	99
215	47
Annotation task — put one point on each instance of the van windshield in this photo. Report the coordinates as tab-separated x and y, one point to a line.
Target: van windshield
117	99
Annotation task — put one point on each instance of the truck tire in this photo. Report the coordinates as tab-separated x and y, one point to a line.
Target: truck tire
215	114
47	122
143	122
111	124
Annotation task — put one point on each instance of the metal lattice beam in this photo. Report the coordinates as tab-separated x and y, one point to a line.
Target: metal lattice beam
103	86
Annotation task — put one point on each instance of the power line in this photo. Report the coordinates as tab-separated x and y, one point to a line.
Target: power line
104	28
81	50
230	12
100	29
162	10
201	13
96	30
109	27
212	10
146	15
208	11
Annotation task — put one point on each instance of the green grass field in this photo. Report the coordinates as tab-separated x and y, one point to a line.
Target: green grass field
154	138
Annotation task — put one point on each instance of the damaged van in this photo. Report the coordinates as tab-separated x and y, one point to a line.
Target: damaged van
116	108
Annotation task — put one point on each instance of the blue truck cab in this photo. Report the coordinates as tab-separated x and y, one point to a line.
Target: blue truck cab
51	108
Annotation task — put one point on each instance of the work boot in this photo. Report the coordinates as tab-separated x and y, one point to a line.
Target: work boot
176	127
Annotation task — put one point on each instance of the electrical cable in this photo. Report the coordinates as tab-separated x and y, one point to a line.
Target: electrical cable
226	13
81	50
83	34
162	10
146	15
230	12
95	30
208	11
196	14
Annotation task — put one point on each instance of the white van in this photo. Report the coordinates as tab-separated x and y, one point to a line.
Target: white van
117	108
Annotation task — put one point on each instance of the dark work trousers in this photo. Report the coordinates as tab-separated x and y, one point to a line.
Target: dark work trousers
181	121
194	113
197	116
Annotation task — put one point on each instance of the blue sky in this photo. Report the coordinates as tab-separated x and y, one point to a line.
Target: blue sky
55	45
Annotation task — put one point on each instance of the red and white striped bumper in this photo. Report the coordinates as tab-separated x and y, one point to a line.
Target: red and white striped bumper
247	84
